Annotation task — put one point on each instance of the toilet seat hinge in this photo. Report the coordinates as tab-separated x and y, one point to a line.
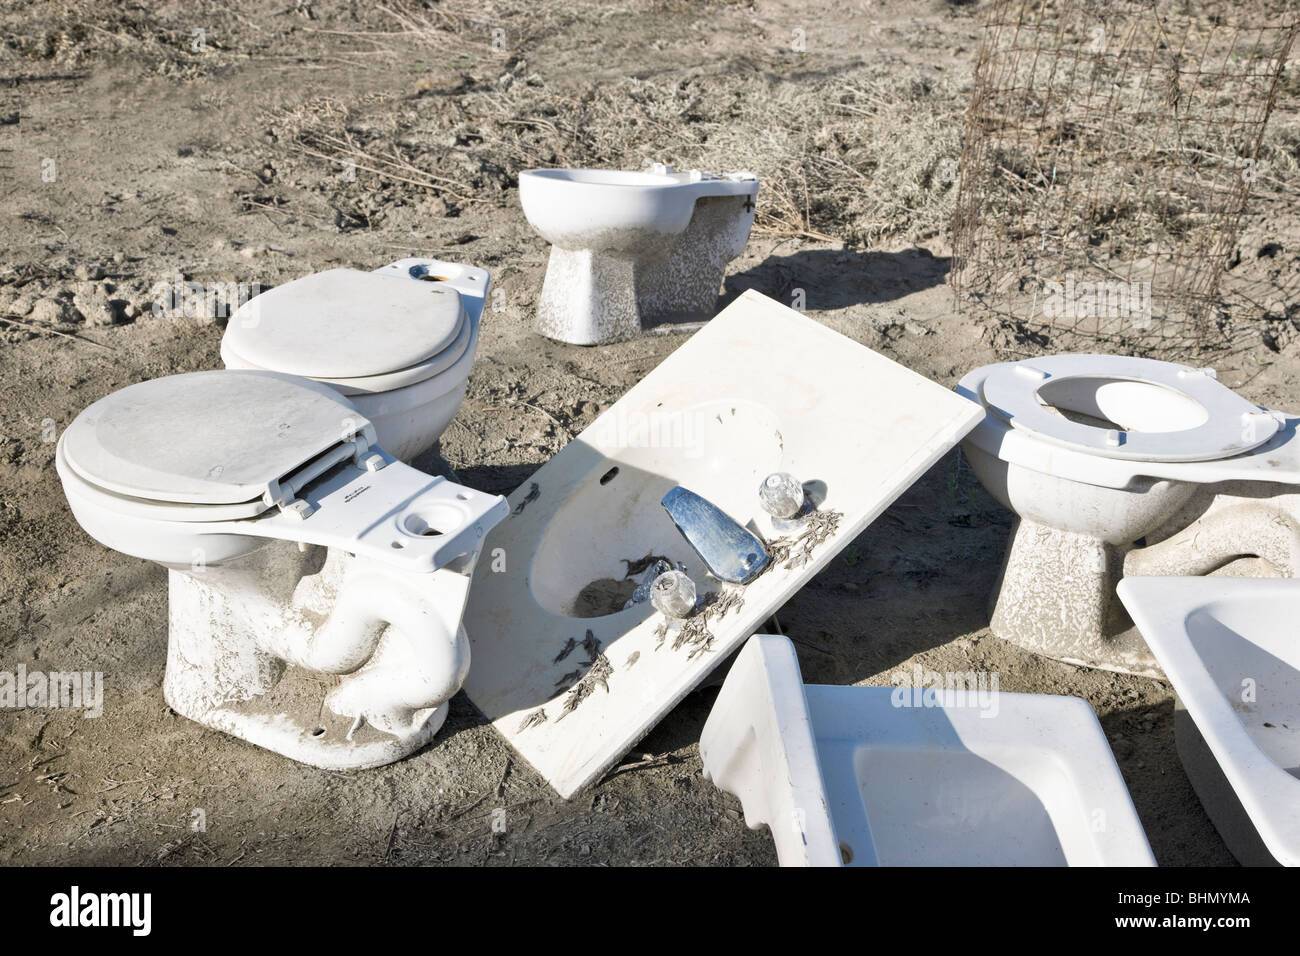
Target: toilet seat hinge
284	492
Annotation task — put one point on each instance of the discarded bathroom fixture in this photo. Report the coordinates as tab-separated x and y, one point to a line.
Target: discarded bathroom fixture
1229	647
629	247
873	776
1119	466
290	538
568	671
400	350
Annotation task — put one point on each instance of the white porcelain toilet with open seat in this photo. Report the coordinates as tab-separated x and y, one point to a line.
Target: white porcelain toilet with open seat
399	342
300	553
633	247
1116	466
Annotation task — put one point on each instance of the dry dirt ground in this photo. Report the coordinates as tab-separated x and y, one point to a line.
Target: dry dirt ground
287	139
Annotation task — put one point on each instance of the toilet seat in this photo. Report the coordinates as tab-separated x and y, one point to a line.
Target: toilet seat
413	330
1232	425
158	441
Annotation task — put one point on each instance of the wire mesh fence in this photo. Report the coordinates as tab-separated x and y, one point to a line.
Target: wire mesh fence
1107	156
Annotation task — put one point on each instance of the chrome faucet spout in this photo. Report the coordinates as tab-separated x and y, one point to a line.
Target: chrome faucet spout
731	552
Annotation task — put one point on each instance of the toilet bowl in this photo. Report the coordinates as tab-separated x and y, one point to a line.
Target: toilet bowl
880	776
1116	466
298	550
633	247
1229	647
569	668
400	350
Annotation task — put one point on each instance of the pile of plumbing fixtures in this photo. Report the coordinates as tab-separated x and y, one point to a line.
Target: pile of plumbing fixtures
298	542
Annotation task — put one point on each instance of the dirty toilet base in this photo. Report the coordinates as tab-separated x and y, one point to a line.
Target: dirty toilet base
286	712
1071	613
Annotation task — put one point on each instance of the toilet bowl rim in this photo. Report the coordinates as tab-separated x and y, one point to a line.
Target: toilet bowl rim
729	184
1009	390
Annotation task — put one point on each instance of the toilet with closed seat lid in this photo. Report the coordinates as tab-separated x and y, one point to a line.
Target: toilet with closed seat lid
400	350
1104	457
298	550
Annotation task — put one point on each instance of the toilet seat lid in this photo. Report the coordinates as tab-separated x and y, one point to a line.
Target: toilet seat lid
347	324
373	384
1232	425
210	438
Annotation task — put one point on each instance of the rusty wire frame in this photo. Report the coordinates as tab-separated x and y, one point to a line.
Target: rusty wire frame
1107	156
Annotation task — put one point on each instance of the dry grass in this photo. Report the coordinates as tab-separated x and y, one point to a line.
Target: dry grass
852	157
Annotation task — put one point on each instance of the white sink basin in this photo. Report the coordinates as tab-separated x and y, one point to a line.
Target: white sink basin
1231	648
845	775
563	671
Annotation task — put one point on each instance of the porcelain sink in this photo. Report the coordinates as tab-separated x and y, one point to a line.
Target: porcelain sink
861	776
1231	650
568	675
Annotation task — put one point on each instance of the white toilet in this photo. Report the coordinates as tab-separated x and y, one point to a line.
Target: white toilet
880	776
291	538
633	247
1120	466
400	350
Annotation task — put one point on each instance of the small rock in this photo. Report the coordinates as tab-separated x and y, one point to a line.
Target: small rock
51	312
849	586
89	270
22	305
915	328
586	849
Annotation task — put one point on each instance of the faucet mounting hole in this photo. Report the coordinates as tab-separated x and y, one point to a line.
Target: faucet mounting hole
609	476
318	732
846	853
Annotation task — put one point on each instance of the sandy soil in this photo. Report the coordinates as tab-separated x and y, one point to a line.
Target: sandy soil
226	161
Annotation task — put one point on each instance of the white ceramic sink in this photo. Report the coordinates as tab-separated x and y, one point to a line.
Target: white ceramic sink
1231	648
760	389
845	775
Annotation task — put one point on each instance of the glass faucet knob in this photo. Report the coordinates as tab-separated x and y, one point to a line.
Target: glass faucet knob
673	593
781	495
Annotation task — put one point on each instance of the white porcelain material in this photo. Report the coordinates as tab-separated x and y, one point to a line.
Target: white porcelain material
1096	453
570	677
400	350
870	776
1230	649
291	538
628	247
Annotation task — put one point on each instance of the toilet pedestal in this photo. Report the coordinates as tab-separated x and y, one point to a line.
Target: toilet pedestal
1056	597
225	671
588	298
685	284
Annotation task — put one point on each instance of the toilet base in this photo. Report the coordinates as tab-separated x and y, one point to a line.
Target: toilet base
218	676
1056	597
685	284
588	298
310	735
